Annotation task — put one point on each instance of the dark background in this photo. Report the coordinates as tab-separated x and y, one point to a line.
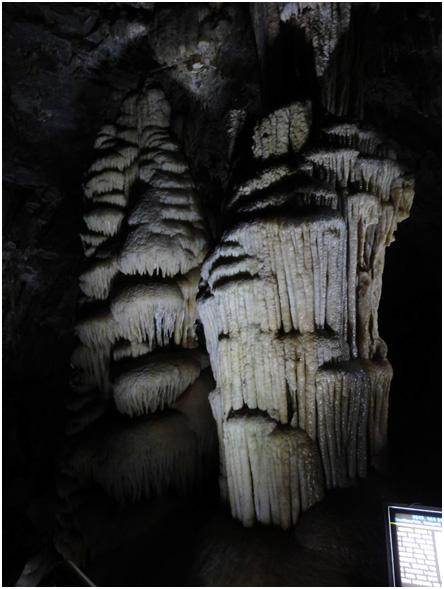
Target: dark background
66	68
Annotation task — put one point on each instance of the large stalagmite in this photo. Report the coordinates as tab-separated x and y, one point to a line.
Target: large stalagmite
289	302
144	241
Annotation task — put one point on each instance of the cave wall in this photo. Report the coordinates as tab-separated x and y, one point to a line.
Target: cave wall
66	69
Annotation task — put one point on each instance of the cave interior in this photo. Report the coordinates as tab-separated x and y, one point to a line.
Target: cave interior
67	67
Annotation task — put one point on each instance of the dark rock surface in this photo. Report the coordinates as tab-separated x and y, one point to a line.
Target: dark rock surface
339	542
66	68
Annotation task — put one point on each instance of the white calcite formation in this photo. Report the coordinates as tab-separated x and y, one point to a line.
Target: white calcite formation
283	130
323	24
273	473
156	380
144	240
289	302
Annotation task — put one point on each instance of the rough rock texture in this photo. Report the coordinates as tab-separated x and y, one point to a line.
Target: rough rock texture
289	303
66	69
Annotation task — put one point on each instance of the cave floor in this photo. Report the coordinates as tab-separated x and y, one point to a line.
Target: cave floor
195	542
339	542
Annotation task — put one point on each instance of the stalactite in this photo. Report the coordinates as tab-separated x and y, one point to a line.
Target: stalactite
156	380
104	220
323	24
352	404
284	193
273	473
365	141
96	280
288	298
258	370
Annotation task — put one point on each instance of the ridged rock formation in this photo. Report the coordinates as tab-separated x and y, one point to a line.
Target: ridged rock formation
329	36
144	240
289	303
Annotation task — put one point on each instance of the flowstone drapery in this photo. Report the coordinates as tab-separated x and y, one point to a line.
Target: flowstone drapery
289	304
144	240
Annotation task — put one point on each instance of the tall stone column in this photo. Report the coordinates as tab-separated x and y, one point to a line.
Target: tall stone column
289	305
140	422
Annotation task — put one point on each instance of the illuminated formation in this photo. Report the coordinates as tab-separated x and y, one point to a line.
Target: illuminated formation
288	300
289	304
144	241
